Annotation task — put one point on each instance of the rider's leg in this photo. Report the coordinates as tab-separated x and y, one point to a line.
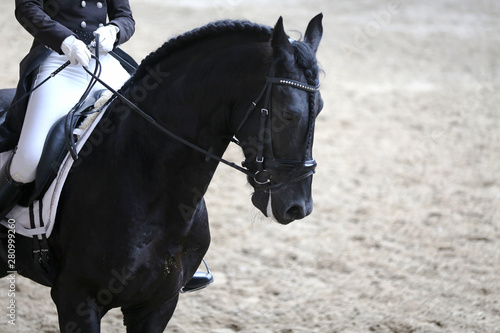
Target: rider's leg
112	73
46	105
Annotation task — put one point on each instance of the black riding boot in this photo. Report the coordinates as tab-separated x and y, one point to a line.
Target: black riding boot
199	280
10	190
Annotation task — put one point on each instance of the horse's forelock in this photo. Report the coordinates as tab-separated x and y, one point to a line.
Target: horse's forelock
306	60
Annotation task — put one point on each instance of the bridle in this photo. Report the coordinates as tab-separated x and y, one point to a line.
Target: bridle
300	169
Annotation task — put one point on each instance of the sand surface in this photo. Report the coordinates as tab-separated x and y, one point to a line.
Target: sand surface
405	235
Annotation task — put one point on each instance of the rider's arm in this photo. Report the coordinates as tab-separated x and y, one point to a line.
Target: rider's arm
40	25
120	14
49	31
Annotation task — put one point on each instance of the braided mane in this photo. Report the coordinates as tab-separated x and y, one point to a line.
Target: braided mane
304	56
214	29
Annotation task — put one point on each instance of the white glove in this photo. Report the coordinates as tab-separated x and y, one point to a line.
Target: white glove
107	37
76	51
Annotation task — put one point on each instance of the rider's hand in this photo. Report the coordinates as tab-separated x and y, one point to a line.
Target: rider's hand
107	37
76	51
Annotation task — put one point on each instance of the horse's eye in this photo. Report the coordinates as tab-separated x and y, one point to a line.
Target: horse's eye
289	115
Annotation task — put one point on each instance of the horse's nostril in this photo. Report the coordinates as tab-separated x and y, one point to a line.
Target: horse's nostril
295	212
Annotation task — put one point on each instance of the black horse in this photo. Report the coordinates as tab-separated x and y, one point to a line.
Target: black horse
132	226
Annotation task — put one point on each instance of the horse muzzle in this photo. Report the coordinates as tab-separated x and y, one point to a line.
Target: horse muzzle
287	203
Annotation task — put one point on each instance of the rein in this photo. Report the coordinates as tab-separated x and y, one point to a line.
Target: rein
208	153
261	177
54	73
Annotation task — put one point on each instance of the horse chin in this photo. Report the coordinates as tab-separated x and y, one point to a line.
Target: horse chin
261	201
274	207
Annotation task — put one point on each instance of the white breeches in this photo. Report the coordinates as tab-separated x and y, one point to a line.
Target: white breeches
51	101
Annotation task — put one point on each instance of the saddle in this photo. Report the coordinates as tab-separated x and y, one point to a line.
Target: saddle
55	150
35	211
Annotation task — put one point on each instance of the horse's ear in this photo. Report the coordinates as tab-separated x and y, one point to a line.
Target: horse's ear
314	32
280	43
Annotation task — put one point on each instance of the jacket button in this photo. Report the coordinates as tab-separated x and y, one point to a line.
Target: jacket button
101	25
83	3
99	5
83	24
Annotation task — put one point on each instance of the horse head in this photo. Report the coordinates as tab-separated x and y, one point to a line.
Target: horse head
277	140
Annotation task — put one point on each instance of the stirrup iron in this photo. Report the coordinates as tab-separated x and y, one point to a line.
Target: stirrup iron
200	280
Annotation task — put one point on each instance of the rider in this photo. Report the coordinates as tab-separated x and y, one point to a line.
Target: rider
62	31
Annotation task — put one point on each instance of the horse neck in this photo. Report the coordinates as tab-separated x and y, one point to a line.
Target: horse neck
193	93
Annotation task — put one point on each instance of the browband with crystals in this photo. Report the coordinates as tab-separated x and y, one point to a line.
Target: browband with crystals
293	83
